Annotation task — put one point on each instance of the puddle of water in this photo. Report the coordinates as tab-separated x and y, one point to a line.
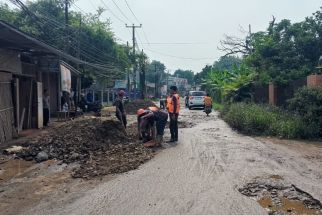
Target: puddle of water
13	168
278	197
287	206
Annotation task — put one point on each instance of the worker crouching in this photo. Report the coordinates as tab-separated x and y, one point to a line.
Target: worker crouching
151	125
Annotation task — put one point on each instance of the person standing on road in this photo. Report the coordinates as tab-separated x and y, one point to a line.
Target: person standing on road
173	106
46	104
120	110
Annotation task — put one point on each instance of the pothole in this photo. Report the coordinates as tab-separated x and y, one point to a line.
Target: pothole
280	198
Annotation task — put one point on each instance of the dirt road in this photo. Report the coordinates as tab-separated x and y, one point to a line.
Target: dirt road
201	174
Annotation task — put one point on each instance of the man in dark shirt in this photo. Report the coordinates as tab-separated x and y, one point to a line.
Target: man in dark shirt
120	110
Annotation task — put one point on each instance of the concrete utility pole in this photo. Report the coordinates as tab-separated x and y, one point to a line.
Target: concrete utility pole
128	73
134	60
79	87
142	75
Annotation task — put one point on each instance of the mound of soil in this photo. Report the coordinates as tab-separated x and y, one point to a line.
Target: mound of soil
133	106
101	146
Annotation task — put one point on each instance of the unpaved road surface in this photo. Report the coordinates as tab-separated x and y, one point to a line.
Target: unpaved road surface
201	174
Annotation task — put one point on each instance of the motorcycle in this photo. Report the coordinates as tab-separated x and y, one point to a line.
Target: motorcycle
208	110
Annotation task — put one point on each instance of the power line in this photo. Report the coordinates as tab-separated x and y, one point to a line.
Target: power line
95	65
119	9
107	8
128	6
178	57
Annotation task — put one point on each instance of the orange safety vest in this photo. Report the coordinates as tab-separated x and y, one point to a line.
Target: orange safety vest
170	105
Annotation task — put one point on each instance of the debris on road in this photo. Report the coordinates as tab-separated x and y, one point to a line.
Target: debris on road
133	106
13	150
100	146
279	197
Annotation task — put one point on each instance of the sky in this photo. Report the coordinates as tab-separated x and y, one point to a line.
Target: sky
185	34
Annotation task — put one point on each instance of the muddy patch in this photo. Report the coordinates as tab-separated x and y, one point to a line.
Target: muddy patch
11	168
281	198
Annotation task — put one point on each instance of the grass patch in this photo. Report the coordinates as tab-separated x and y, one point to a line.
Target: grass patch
217	106
253	119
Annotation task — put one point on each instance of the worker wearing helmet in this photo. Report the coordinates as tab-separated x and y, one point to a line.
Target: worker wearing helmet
141	112
148	120
173	107
146	129
120	109
160	118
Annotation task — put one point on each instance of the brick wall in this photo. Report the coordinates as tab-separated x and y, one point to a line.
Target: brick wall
314	80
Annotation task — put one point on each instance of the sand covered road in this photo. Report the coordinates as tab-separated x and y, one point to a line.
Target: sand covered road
202	174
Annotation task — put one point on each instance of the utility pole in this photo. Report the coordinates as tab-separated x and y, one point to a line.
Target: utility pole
134	60
142	75
128	73
79	87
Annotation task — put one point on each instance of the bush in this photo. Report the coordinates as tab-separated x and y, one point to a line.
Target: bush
307	103
255	119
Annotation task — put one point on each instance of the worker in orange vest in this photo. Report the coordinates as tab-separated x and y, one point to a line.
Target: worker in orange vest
173	106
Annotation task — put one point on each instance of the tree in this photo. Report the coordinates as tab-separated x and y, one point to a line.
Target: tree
156	72
45	21
187	74
199	77
227	63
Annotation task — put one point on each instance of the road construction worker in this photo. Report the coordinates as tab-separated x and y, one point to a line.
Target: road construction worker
146	129
160	118
173	107
141	112
148	120
120	109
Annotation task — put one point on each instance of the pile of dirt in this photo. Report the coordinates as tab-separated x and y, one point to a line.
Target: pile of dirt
281	198
100	146
133	106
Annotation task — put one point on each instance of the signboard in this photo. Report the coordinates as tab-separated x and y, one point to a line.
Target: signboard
66	80
120	84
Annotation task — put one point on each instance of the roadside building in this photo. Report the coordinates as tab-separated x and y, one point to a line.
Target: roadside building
27	67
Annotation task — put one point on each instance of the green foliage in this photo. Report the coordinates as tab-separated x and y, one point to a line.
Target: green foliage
217	106
188	74
307	102
98	44
156	71
226	85
287	51
255	119
224	63
227	63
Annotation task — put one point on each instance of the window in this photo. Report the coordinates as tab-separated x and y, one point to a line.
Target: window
198	93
